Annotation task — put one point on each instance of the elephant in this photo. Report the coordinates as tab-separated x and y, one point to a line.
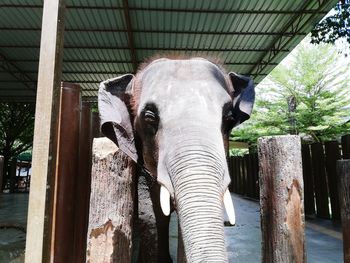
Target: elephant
174	117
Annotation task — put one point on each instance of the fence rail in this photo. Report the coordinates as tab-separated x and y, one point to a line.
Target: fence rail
321	197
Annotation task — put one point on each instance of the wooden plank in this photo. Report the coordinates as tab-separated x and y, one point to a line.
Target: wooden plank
44	146
249	176
281	199
236	174
320	180
256	176
345	143
245	175
111	204
239	175
343	171
309	193
95	125
1	171
231	172
332	155
83	186
65	202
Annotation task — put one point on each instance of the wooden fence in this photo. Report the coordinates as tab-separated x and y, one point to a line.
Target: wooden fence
319	172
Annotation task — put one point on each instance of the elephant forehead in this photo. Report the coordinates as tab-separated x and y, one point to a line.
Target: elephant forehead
182	85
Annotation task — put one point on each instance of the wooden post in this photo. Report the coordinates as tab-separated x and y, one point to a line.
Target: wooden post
83	185
281	199
309	196
332	155
111	204
343	172
44	146
1	171
67	171
320	180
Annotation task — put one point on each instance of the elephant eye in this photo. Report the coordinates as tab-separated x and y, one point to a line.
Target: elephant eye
227	118
150	116
150	119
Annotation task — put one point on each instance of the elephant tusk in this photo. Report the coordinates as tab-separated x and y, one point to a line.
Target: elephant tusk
165	200
230	210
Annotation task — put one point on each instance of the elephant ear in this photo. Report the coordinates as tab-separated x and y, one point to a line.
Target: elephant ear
113	101
243	97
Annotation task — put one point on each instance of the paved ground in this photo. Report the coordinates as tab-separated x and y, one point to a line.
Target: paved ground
13	210
243	241
323	239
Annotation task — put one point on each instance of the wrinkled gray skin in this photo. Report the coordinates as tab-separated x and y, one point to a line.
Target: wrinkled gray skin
185	147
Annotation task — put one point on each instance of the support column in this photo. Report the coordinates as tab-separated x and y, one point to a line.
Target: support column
281	199
44	146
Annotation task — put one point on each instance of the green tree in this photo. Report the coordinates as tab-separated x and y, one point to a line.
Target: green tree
318	85
16	130
334	27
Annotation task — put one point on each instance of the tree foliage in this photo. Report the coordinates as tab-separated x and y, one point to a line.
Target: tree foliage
320	88
335	26
16	129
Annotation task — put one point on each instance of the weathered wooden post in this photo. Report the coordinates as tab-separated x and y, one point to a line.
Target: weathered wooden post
343	172
1	171
111	204
281	199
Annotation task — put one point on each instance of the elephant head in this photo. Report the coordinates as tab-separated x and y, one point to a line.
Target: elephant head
182	110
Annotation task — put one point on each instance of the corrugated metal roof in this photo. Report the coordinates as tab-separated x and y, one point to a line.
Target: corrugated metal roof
111	37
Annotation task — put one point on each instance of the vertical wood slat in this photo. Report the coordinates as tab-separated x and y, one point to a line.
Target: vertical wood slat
332	152
230	170
245	175
235	174
233	171
66	174
281	199
111	204
343	172
83	185
95	125
44	145
256	171
1	171
241	175
345	142
309	198
320	180
249	176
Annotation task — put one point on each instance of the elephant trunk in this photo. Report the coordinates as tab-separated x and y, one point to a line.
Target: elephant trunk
197	175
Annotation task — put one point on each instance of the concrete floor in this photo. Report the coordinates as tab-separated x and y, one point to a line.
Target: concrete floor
323	239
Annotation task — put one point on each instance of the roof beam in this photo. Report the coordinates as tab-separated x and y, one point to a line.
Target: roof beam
155	48
294	25
117	72
152	31
130	34
177	10
16	72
